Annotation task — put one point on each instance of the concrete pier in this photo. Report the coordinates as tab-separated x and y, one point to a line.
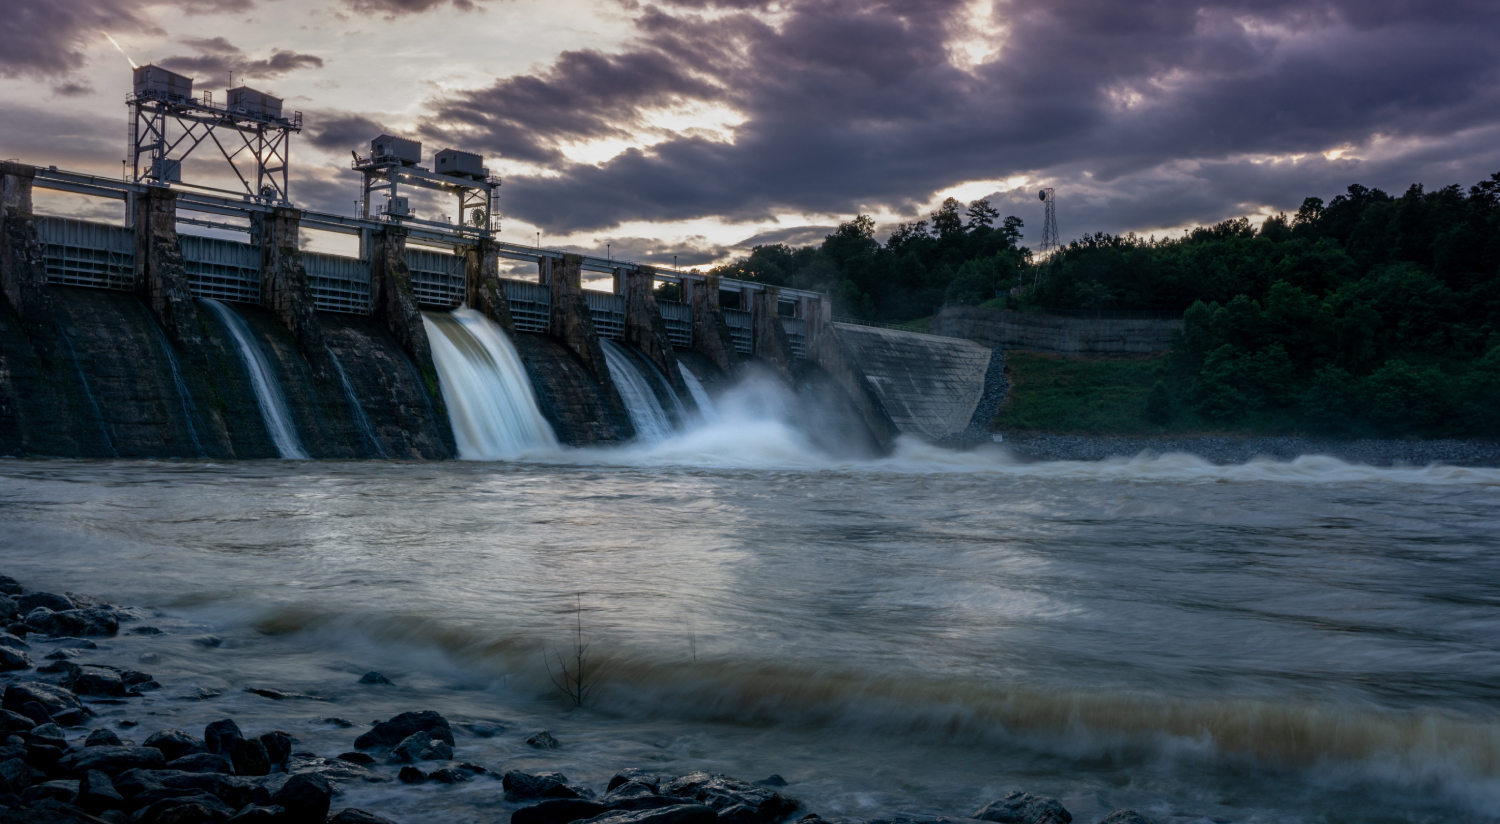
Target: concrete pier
711	336
770	341
482	285
284	287
23	272
393	304
646	332
160	276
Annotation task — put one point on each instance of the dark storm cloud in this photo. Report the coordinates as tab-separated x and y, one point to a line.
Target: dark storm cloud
1139	114
217	57
397	8
342	130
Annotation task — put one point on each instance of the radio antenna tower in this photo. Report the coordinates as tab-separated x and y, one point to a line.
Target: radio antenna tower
1050	243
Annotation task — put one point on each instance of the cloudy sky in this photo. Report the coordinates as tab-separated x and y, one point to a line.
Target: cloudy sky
701	127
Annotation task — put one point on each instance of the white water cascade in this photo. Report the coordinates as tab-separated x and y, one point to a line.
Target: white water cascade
646	413
268	393
700	395
491	402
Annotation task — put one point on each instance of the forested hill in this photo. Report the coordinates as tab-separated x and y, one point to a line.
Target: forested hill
1367	314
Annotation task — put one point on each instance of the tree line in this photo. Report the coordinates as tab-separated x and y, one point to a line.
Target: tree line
1368	314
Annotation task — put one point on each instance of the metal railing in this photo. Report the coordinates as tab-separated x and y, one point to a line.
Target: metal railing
679	320
221	269
608	312
339	284
437	278
84	253
742	329
530	305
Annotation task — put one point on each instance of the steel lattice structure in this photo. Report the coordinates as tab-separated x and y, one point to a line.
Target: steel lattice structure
165	129
1050	242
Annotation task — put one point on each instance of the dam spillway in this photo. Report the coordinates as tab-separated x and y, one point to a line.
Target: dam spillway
491	404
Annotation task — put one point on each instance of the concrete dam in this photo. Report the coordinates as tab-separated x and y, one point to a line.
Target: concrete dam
140	342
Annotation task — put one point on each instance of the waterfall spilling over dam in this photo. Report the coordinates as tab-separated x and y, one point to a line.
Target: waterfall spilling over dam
491	404
652	423
705	405
268	394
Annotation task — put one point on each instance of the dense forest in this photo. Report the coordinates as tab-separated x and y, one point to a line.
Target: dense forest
1369	314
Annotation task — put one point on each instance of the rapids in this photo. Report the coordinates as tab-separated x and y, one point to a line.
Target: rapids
1303	641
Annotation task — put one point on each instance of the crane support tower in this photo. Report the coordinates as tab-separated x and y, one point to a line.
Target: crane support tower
167	122
1050	243
393	163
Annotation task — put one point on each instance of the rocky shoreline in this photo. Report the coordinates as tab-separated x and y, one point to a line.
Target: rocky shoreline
69	752
1228	449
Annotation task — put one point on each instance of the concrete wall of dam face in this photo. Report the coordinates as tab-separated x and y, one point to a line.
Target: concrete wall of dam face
1044	333
929	386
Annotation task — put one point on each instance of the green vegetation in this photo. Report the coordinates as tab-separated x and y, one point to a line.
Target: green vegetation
1368	315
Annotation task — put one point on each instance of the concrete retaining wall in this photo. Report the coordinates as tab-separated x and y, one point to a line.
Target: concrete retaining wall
1044	333
929	386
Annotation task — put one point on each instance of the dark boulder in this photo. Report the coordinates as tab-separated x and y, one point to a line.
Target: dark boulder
638	776
54	603
722	792
64	791
411	775
278	747
102	738
557	811
678	814
484	729
52	698
201	762
11	641
8	610
521	786
10	586
197	808
96	793
356	758
100	682
72	718
259	814
11	721
111	760
636	796
354	816
15	776
306	799
398	729
375	678
37	713
12	660
175	743
249	757
45	757
219	736
93	621
772	780
1017	807
421	746
1126	817
50	735
543	741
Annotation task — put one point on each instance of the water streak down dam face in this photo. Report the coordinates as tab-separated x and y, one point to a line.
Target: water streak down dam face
652	423
268	392
491	403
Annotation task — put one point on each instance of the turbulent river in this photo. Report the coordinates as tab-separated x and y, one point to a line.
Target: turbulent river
1305	641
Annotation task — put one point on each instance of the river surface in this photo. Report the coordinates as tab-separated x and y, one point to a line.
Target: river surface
1306	641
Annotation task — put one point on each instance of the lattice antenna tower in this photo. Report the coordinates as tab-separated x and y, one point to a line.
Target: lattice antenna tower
250	130
1050	242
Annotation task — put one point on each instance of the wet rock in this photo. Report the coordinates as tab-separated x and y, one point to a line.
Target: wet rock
86	622
8	610
47	600
210	641
55	668
12	660
772	780
52	699
398	729
259	814
330	768
421	746
448	775
473	769
63	654
236	791
15	776
10	586
102	738
126	724
356	758
1017	807
133	678
11	721
100	682
96	793
279	695
722	792
339	722
64	791
1126	817
278	747
521	786
638	776
197	808
543	741
198	694
411	775
144	630
45	757
678	814
71	718
37	713
175	743
250	757
483	729
306	799
219	736
557	811
633	795
354	816
111	760
373	677
201	762
50	735
11	641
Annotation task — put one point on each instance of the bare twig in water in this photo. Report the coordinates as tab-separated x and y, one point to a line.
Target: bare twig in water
573	679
